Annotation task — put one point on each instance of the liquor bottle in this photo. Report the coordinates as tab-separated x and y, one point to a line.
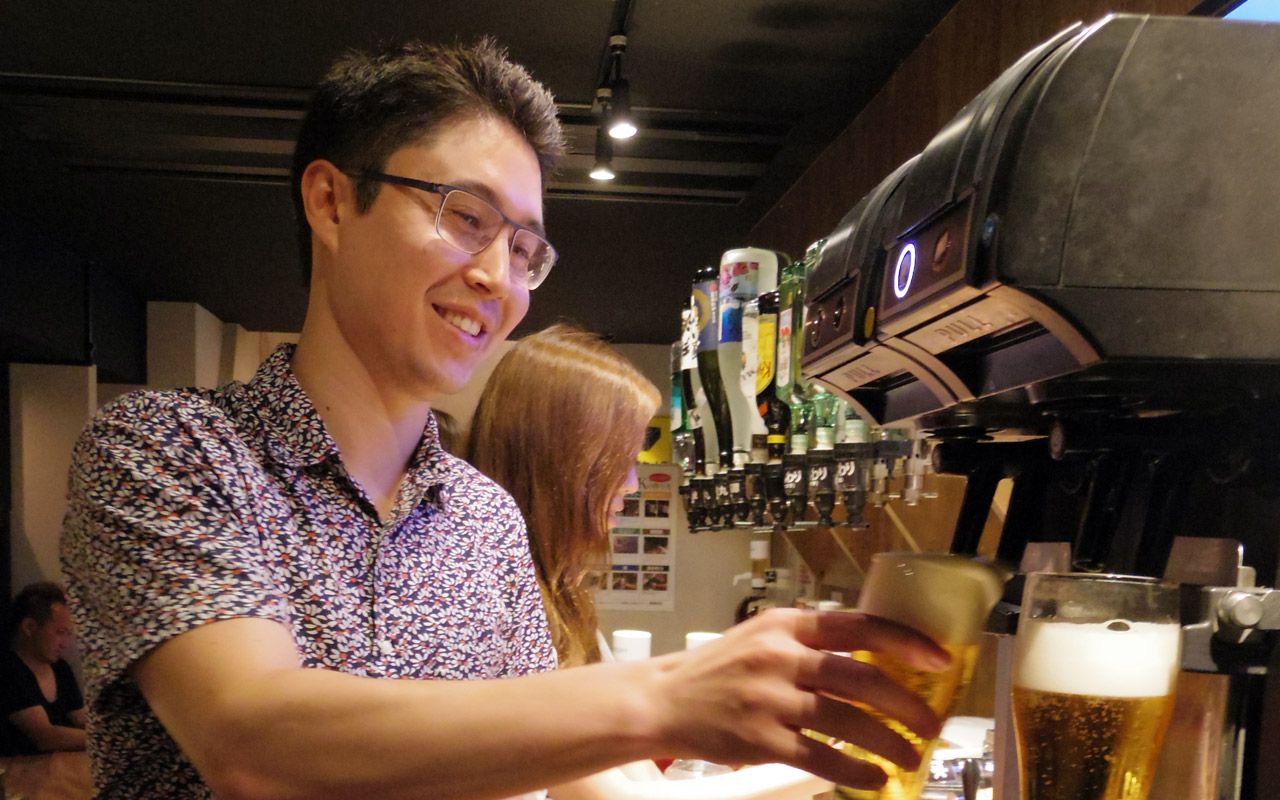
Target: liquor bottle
741	271
749	375
773	409
695	399
790	321
706	304
826	417
681	435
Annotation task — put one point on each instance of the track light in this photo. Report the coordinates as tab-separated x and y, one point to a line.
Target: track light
603	169
622	124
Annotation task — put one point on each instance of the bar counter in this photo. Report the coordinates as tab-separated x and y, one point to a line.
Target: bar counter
53	776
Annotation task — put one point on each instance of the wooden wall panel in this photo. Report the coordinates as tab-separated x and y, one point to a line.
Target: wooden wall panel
965	53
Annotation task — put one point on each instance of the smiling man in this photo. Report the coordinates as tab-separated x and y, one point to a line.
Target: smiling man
269	577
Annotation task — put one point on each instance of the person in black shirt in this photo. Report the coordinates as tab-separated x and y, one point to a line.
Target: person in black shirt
41	708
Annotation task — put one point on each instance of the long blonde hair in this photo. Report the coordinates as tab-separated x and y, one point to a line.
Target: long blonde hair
559	425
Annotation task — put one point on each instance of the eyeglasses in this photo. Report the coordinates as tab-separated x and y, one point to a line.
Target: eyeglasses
470	224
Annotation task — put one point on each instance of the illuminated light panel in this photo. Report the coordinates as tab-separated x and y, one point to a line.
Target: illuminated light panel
906	264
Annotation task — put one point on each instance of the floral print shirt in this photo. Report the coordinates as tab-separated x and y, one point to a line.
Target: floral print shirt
192	506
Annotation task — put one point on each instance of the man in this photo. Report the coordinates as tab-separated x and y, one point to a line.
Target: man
39	698
256	570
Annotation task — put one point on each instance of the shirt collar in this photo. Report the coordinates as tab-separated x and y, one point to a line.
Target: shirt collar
297	436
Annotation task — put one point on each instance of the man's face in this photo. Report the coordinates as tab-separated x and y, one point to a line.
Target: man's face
419	313
53	636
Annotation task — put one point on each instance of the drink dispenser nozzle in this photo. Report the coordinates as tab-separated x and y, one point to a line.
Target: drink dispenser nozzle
775	493
738	500
755	491
888	451
722	515
822	484
796	485
703	494
918	464
853	475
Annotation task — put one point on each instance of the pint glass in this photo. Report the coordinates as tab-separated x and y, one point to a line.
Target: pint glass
1094	669
947	597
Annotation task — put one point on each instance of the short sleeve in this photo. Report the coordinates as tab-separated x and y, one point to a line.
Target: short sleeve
529	647
159	536
18	690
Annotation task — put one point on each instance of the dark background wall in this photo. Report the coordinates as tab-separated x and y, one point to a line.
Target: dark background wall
968	50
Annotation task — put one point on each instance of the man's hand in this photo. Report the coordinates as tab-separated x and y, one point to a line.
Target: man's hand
746	697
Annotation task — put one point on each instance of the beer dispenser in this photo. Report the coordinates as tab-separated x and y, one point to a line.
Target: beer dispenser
1076	285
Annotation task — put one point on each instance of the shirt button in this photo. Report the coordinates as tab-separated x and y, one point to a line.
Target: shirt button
386	648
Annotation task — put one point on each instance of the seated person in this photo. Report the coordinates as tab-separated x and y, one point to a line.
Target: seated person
560	425
42	706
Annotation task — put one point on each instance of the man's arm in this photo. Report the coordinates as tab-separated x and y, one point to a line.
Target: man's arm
47	737
256	725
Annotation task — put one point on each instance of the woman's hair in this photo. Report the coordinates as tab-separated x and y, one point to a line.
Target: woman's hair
559	426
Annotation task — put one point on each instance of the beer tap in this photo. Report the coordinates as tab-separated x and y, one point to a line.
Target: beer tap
723	514
822	484
775	493
755	492
703	492
888	451
738	500
796	485
918	463
853	473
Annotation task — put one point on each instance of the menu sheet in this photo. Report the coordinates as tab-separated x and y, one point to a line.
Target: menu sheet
642	548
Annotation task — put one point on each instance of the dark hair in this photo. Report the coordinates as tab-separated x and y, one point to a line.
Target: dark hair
369	106
36	602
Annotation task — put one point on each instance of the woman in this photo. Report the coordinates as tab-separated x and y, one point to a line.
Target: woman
559	425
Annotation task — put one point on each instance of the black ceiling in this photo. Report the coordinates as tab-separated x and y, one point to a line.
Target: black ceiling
154	137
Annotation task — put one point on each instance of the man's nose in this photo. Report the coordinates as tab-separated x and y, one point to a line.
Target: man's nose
491	267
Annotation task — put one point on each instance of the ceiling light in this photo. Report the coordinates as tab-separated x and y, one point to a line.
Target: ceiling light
603	169
622	123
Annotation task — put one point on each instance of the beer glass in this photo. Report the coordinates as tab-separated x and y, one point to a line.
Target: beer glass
1094	668
948	597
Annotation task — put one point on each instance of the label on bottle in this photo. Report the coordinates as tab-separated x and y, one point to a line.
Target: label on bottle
784	351
738	280
677	405
695	417
747	377
767	344
689	339
706	303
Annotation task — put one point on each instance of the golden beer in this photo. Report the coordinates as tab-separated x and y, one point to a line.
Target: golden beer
1092	692
947	597
942	691
1077	747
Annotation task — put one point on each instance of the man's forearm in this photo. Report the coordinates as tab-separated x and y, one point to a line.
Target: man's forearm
316	733
58	737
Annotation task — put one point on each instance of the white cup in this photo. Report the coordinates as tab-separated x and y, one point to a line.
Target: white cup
631	645
699	638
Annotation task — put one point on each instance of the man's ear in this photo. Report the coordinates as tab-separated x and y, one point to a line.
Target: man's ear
28	627
327	195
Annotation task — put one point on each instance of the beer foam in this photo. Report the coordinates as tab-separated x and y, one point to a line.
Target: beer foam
1097	659
946	596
